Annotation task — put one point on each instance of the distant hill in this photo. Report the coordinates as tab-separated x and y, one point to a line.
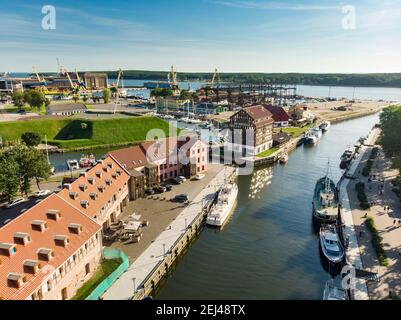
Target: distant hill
347	80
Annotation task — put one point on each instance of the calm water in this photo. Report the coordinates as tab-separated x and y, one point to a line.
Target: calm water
268	250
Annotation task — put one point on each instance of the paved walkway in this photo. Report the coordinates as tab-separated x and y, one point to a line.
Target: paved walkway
350	232
123	288
390	277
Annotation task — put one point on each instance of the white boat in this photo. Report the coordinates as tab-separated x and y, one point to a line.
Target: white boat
283	159
325	126
224	206
330	244
310	138
333	291
186	120
72	164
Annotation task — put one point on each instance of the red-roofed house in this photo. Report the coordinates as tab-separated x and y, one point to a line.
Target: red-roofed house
280	116
48	252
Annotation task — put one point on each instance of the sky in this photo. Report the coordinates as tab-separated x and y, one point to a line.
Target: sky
201	35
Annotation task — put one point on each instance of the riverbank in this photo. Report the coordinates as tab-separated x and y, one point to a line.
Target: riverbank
379	191
155	260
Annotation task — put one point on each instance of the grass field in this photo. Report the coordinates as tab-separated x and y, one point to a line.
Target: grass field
268	152
295	132
78	133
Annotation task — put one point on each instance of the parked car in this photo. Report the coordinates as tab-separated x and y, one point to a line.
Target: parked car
160	189
180	198
180	179
199	176
15	202
149	192
169	187
41	193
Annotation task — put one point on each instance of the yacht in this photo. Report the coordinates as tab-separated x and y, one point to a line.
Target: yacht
330	244
310	138
325	126
224	206
347	157
72	164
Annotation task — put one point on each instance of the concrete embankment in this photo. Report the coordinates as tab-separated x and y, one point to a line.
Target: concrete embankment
154	263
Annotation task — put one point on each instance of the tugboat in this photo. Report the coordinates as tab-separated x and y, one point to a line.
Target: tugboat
331	245
325	201
224	206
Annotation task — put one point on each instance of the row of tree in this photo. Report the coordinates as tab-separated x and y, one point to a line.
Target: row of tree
391	138
20	165
34	98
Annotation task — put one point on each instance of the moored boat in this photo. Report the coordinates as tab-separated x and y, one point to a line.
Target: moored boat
72	164
220	212
347	157
330	244
283	159
325	201
325	126
310	138
87	161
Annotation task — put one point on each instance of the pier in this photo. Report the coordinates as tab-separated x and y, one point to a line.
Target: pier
153	264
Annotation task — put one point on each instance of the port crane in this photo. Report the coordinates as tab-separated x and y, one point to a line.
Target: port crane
172	76
74	86
119	77
216	76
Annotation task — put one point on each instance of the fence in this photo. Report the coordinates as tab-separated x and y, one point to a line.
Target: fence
109	253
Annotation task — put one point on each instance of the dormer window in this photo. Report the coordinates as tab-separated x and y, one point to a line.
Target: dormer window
91	180
15	280
22	238
98	174
93	195
108	182
84	204
31	266
39	225
53	214
110	165
118	171
105	168
82	174
61	240
75	228
73	195
45	254
7	249
83	187
101	188
114	175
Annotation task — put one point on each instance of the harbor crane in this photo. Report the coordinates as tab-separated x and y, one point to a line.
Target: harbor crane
172	77
216	76
119	77
74	86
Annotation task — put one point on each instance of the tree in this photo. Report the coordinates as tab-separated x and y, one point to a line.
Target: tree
9	182
18	98
161	92
22	164
31	139
106	95
185	95
34	98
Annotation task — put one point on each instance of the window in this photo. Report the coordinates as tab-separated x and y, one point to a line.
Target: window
87	269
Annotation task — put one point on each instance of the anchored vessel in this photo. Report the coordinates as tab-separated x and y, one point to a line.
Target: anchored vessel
225	203
325	201
87	161
72	164
347	157
330	244
325	126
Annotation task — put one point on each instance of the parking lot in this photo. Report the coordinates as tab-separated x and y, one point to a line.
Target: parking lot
159	211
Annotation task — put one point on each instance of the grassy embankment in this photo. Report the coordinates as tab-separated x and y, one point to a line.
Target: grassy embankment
72	134
106	268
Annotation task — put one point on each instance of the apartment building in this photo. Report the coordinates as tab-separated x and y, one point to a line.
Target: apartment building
48	252
101	192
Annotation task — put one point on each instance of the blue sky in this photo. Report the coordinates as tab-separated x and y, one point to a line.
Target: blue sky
199	35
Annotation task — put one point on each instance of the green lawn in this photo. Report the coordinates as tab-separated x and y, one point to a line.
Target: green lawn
268	152
295	132
68	133
106	268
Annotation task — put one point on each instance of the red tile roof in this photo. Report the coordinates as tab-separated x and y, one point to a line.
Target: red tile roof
257	112
86	188
279	114
23	224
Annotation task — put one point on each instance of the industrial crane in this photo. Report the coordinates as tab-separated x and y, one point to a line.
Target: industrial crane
74	86
172	76
42	82
216	76
119	77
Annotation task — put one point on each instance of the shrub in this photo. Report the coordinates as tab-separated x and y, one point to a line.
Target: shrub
363	199
377	242
31	139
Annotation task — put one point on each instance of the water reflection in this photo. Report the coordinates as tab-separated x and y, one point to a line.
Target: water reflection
260	179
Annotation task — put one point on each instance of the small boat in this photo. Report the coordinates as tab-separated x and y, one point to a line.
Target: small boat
310	139
347	157
224	206
72	164
325	126
333	291
330	244
283	159
316	132
87	161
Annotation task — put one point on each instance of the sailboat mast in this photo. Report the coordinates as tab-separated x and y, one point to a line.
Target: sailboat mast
47	151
